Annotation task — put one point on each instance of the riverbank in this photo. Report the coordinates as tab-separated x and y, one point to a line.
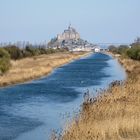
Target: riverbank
114	114
32	68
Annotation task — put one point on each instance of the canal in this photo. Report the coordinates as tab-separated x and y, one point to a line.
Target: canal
30	111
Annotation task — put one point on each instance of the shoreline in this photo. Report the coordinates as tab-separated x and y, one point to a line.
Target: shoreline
28	69
114	114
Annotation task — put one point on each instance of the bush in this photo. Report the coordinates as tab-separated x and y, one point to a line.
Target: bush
122	49
42	50
50	51
4	61
15	52
113	49
134	52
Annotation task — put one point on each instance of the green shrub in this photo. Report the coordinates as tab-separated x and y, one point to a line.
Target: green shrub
4	61
134	52
50	51
42	50
15	52
122	49
32	51
113	49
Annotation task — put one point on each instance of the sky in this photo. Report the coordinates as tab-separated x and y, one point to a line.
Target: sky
98	21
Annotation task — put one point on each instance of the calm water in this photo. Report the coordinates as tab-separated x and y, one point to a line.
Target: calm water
30	111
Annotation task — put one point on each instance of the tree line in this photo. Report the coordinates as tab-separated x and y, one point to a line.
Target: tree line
132	51
12	52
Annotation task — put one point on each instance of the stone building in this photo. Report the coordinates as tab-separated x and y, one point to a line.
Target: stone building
69	34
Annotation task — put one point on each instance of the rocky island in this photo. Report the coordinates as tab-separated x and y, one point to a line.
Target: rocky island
71	40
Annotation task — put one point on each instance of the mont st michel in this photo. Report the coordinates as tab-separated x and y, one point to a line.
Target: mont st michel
69	34
71	39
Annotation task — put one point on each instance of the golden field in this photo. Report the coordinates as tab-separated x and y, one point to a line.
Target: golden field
112	115
35	67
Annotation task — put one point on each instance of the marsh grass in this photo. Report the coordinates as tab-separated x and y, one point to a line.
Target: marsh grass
34	67
114	114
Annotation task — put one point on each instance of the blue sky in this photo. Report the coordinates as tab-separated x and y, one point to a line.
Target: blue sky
98	21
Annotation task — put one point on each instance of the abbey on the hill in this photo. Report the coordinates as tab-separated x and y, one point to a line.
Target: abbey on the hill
71	40
69	34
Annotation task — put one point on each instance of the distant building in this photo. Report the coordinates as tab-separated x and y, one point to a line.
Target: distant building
97	50
69	34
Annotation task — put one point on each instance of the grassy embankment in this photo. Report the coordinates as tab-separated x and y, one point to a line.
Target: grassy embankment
114	114
31	68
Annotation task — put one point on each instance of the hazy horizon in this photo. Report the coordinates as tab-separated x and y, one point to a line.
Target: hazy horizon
97	21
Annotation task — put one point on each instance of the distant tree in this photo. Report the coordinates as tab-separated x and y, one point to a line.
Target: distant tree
32	51
42	50
122	49
4	61
134	52
113	49
52	41
15	52
50	51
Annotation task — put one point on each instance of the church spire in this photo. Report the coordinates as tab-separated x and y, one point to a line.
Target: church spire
69	26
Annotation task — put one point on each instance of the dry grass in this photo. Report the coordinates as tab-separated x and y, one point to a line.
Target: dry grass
31	68
114	114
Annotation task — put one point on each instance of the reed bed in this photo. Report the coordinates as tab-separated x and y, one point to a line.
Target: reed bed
113	115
